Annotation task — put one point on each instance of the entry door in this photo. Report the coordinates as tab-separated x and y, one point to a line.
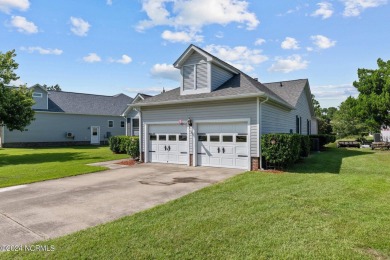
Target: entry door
95	134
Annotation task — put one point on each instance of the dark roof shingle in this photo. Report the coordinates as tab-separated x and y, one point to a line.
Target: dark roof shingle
80	103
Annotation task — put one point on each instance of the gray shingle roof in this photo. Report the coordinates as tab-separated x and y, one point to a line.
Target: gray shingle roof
240	84
79	103
290	91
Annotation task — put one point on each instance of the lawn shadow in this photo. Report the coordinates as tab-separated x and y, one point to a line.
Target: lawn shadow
38	158
328	161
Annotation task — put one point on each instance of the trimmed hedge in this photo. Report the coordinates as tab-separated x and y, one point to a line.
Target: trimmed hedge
281	150
324	139
124	144
305	145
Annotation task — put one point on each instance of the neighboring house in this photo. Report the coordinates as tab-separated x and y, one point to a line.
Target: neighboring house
218	114
67	118
385	132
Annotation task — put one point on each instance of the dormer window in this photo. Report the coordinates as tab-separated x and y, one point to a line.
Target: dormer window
37	95
195	76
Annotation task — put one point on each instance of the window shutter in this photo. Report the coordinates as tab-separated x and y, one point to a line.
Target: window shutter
188	77
201	76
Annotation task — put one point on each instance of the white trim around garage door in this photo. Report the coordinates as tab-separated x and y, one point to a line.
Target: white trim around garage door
146	139
195	134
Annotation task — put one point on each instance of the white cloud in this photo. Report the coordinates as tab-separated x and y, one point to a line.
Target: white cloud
289	64
181	37
79	26
290	44
149	90
7	5
322	42
333	95
259	42
109	2
23	25
240	57
42	51
165	71
92	58
309	49
125	59
325	10
219	35
192	15
355	7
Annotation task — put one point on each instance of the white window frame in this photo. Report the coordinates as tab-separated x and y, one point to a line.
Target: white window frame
37	95
109	123
132	125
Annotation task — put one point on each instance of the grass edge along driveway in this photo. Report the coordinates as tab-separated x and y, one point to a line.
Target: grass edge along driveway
22	166
333	206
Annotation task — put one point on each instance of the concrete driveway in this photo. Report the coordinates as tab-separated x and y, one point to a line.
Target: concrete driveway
38	211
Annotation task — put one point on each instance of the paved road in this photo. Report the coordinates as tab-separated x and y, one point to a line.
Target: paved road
34	212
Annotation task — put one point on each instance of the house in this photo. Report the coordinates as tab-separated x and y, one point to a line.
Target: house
385	132
67	118
218	114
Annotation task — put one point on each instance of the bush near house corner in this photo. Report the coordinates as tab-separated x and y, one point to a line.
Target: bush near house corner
324	139
305	145
281	150
125	144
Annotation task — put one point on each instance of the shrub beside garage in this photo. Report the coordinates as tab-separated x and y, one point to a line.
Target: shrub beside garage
282	150
125	144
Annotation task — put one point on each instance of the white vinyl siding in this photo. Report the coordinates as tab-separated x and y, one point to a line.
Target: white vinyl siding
219	76
195	58
277	120
228	110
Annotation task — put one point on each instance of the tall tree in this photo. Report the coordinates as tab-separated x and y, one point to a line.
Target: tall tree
15	103
346	121
374	95
324	126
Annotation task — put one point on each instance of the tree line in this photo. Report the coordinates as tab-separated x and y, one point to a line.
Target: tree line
367	113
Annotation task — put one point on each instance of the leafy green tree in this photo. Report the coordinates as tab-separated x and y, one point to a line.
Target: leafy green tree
323	117
55	87
15	103
346	121
374	95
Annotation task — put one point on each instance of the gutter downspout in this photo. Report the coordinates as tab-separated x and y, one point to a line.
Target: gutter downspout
141	126
126	125
260	132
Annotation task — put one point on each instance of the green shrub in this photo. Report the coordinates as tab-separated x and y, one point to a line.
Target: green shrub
125	144
324	139
281	150
305	145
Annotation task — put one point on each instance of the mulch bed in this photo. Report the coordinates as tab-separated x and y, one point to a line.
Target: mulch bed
129	162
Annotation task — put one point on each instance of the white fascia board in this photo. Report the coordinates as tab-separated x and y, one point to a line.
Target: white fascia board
197	100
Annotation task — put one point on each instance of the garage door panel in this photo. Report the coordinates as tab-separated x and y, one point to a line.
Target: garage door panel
223	145
168	129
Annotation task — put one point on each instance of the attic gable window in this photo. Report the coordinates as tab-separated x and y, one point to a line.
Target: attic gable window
37	95
195	76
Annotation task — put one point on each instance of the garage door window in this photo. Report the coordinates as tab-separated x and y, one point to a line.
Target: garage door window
241	138
172	137
152	137
183	137
162	137
227	138
214	138
202	138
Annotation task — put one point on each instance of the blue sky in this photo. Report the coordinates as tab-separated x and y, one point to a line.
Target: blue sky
128	46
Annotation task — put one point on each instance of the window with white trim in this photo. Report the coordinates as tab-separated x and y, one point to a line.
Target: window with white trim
110	123
122	124
135	126
37	95
195	76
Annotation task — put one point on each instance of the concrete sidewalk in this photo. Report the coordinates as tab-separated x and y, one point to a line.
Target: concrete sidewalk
38	211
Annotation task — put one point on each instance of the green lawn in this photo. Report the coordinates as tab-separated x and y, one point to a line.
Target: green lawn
20	166
336	205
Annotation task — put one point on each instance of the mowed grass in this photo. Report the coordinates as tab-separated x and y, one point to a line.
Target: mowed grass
335	205
21	166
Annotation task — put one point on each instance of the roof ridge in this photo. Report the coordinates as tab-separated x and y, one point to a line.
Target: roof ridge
78	93
284	81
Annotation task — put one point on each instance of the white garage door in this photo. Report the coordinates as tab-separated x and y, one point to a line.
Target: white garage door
168	144
223	145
